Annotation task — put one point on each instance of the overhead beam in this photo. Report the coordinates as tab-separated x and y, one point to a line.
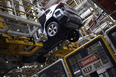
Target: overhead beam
19	19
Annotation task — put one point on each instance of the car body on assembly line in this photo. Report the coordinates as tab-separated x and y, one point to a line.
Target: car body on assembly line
60	22
61	18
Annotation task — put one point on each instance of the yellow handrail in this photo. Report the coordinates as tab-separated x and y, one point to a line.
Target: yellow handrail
16	10
30	14
28	8
70	2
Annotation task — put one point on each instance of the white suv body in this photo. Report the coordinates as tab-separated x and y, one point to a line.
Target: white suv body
58	18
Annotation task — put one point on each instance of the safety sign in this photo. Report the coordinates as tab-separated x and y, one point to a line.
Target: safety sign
90	64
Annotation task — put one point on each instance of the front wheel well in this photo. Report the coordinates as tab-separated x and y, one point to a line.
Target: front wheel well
52	19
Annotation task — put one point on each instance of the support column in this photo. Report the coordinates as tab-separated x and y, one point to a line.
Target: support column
21	8
9	5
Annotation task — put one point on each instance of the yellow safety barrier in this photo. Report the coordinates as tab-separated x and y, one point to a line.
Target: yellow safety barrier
91	41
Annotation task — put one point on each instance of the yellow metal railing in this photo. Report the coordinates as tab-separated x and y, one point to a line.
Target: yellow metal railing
73	3
19	12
